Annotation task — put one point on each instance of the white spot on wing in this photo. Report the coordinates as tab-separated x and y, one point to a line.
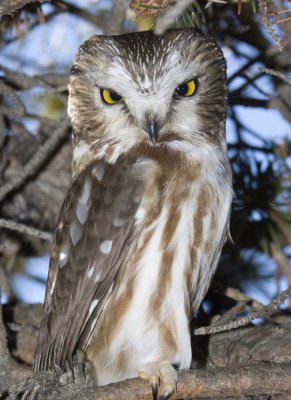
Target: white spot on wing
64	255
118	222
84	202
106	246
98	171
86	192
93	305
139	216
75	232
82	212
90	272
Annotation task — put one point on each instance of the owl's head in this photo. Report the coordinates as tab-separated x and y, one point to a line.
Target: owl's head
147	87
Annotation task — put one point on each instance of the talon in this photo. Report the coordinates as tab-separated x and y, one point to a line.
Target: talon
166	395
155	388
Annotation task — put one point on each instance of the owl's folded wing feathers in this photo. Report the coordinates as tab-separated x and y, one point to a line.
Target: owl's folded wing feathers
93	235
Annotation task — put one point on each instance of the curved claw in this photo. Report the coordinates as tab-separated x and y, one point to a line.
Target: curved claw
162	377
155	388
166	396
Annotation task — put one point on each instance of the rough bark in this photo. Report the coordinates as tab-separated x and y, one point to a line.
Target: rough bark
253	361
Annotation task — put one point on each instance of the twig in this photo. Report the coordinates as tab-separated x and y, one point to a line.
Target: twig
247	101
265	11
18	109
166	20
37	160
243	321
15	226
276	73
23	81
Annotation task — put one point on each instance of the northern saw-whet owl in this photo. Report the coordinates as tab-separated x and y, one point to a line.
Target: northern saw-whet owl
143	223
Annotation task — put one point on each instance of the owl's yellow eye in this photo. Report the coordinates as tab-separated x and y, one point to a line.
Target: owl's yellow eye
187	89
110	97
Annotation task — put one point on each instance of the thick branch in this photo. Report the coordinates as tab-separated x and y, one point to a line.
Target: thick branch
238	363
218	383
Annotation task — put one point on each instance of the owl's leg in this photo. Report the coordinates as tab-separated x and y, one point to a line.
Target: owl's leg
162	377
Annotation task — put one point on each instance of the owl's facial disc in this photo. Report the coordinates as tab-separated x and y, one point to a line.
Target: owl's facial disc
150	121
143	87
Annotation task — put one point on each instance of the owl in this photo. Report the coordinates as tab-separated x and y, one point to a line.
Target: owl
143	223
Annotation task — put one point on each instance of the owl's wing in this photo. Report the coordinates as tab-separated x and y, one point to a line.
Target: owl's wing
92	239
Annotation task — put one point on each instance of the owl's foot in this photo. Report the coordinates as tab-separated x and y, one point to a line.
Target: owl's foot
162	377
82	372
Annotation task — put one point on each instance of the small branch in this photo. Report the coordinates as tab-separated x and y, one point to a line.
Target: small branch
23	81
33	166
18	109
166	20
265	11
277	73
15	226
9	7
247	101
243	69
243	321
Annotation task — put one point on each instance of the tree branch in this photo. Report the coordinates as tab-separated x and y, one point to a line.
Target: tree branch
32	167
247	101
278	74
15	226
9	7
243	321
248	380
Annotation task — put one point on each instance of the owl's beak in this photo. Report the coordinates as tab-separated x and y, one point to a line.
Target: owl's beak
152	128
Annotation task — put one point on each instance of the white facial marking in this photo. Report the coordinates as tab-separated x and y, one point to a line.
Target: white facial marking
106	246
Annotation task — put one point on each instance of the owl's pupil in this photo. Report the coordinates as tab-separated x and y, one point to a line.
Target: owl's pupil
182	89
115	96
